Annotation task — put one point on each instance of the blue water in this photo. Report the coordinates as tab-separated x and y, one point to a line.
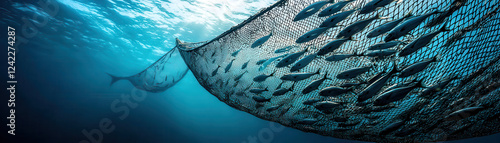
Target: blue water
63	89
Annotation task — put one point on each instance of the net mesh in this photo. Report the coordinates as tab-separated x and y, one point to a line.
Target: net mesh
469	51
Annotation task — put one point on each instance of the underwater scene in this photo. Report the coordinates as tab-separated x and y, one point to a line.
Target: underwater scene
251	71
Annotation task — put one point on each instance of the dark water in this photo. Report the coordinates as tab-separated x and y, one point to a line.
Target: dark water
63	91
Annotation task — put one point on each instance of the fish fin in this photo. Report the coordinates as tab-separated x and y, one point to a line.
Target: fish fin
444	28
114	78
409	14
437	58
273	73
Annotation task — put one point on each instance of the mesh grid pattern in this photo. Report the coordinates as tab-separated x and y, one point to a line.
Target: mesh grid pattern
470	51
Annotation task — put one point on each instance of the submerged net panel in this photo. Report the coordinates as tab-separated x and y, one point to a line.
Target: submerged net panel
469	51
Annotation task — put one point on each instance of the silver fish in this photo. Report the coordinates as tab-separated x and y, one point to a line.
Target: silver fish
380	53
259	98
290	58
334	8
258	90
235	53
395	94
314	85
215	71
303	62
421	42
333	91
285	49
357	27
261	40
229	66
333	45
239	76
310	10
436	88
313	34
297	76
374	5
391	127
308	121
334	19
375	87
272	108
386	45
407	26
464	113
311	101
262	77
417	67
260	62
340	57
326	105
352	73
244	65
386	27
282	91
265	64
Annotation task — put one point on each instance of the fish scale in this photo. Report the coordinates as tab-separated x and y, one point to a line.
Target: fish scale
472	56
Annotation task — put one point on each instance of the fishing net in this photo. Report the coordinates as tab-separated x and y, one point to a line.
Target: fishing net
469	51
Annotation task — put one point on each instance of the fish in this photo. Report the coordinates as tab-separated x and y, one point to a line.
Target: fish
298	76
438	87
464	113
259	98
407	26
313	34
303	62
260	62
262	77
398	85
350	84
311	101
239	76
391	127
235	53
229	66
310	10
290	58
354	72
215	71
386	45
357	26
265	64
333	20
339	57
375	77
258	90
326	105
395	94
373	88
386	27
380	53
282	91
374	5
333	45
334	8
314	85
285	49
308	121
272	108
417	67
244	66
421	42
261	40
333	91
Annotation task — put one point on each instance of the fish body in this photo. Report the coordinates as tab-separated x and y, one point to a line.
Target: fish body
303	62
333	91
310	10
311	101
333	45
215	71
314	85
265	64
374	5
339	57
308	121
228	66
333	20
285	49
244	66
394	95
357	27
386	45
420	42
436	88
407	26
352	73
239	76
261	40
464	113
391	127
313	34
258	90
235	53
334	8
380	53
290	59
259	98
326	105
262	77
416	67
386	27
297	76
372	89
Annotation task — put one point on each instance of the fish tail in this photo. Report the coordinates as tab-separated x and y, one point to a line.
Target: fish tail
444	28
114	78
